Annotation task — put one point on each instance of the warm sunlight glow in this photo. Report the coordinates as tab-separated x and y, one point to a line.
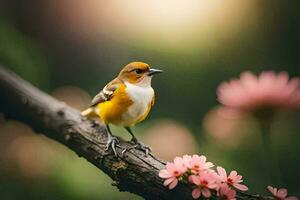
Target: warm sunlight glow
163	24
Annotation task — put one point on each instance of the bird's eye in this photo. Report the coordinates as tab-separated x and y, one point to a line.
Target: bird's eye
138	71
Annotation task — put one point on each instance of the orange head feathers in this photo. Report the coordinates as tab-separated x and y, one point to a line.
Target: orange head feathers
135	72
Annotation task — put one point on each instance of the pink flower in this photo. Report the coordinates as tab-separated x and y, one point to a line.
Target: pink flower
204	182
173	172
197	163
280	194
226	193
233	179
268	90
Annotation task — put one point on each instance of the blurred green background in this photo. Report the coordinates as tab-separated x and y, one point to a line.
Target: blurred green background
70	49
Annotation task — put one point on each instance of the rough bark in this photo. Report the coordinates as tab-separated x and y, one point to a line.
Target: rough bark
132	172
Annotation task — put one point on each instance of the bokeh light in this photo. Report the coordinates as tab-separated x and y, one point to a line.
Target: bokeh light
155	24
168	139
226	131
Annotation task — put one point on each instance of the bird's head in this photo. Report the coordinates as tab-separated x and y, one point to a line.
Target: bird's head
138	73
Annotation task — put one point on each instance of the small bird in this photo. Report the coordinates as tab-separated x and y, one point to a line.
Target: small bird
125	101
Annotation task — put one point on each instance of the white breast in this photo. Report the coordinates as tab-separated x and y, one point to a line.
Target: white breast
141	97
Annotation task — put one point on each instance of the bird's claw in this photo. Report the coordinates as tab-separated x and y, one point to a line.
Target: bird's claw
144	148
140	146
111	142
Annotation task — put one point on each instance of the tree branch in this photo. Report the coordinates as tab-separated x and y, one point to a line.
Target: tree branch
132	172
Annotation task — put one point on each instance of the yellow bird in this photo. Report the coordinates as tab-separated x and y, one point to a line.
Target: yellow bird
125	101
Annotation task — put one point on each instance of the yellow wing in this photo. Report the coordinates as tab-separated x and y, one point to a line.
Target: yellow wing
106	94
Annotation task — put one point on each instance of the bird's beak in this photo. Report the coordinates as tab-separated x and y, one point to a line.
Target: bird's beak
154	71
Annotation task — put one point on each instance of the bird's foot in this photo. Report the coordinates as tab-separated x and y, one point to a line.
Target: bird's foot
143	147
138	145
111	143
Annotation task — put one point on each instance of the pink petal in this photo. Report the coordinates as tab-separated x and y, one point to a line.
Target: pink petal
170	167
196	179
282	193
208	165
168	181
187	160
231	193
190	178
240	187
196	193
272	190
164	174
179	164
206	192
239	178
202	159
213	186
233	175
248	76
178	161
173	184
222	173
